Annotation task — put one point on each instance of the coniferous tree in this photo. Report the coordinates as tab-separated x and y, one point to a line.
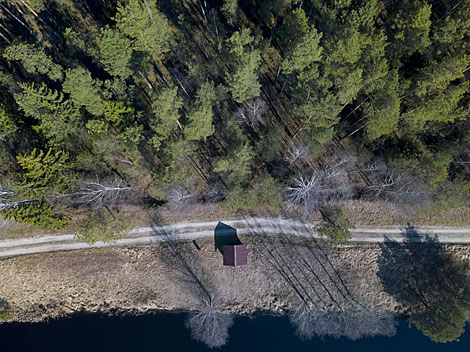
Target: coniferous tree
438	93
294	27
243	80
148	29
448	105
335	225
383	113
43	173
37	5
229	9
83	90
38	214
166	117
200	117
115	52
409	30
117	114
305	56
34	60
58	119
236	167
7	126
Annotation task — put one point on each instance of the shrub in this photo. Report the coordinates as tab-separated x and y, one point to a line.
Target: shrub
100	226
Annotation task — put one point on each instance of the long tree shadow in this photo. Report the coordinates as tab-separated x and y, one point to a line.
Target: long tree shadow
429	282
325	306
225	235
209	324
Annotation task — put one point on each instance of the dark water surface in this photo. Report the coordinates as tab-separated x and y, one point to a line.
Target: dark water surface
166	332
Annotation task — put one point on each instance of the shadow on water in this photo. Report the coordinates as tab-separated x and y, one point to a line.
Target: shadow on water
225	235
166	332
432	284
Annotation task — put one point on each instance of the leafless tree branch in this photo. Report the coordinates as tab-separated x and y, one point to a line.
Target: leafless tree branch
99	194
295	152
5	192
181	199
214	194
6	201
210	326
353	323
251	113
310	193
371	167
394	186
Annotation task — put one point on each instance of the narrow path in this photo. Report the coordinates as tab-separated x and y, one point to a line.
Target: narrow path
248	226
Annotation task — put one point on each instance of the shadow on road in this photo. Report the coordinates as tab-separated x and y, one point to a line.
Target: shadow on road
225	235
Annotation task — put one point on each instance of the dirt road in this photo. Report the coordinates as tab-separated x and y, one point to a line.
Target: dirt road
246	226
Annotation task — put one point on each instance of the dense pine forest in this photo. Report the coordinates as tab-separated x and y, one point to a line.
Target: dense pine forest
299	104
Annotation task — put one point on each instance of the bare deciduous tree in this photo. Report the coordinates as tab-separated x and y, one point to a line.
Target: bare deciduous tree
328	183
371	167
214	194
302	320
99	194
5	192
336	167
351	323
4	203
5	199
210	326
251	113
181	199
5	195
256	107
396	187
295	152
307	192
310	193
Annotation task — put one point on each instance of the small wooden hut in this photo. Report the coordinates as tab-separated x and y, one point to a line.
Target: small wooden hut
235	254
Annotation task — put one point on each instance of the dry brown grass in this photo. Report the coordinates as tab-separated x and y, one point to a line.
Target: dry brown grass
148	278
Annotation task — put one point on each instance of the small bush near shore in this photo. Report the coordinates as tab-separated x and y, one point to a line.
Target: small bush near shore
5	313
